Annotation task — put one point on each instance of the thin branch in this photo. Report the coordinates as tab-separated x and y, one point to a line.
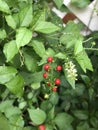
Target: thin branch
92	49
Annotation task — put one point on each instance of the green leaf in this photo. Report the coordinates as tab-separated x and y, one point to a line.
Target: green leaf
16	19
23	37
16	85
81	114
60	55
25	16
71	35
63	120
46	105
10	21
46	27
51	114
38	17
86	79
54	98
50	52
22	105
79	90
83	126
4	7
10	111
80	3
7	73
29	128
29	77
68	39
35	86
16	122
10	50
94	122
4	124
84	61
49	127
2	34
78	47
5	104
30	62
38	46
38	116
58	3
71	80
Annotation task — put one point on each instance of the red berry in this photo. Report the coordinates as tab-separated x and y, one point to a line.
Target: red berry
46	67
54	89
49	59
48	84
58	68
42	127
57	81
45	75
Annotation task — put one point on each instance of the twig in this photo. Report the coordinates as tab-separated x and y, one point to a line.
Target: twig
92	49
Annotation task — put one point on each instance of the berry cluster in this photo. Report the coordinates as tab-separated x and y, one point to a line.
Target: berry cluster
51	81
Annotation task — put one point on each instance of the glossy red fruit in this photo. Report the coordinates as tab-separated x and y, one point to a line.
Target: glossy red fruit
41	127
54	89
49	59
59	68
48	84
45	75
46	67
57	81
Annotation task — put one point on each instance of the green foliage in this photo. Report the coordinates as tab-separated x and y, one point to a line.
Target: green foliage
16	122
37	116
4	7
25	16
82	115
23	37
84	61
2	34
7	73
10	21
4	124
46	27
13	51
30	33
16	85
38	47
63	120
58	3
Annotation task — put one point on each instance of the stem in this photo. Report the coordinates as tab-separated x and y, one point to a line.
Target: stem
52	37
88	39
21	58
92	49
